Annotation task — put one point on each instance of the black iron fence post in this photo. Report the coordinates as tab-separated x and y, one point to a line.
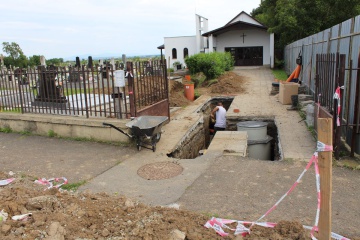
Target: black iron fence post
85	95
20	93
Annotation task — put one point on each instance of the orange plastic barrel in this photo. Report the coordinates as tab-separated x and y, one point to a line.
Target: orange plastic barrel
189	91
187	77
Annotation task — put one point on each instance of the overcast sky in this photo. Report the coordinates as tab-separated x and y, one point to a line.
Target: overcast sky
66	28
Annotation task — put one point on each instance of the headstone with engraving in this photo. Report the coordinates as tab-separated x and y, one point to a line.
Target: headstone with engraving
49	93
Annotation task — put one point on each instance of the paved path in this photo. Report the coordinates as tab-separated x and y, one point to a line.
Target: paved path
45	157
297	143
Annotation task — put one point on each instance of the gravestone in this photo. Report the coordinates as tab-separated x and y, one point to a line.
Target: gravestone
49	92
77	62
42	61
124	59
112	62
90	62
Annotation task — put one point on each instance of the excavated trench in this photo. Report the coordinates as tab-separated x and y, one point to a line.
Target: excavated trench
199	137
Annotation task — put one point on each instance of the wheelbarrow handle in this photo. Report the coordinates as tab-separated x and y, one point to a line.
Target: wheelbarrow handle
110	125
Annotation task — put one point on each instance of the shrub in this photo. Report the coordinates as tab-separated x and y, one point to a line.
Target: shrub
279	64
211	64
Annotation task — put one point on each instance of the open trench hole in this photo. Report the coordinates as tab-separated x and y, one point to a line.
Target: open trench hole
198	139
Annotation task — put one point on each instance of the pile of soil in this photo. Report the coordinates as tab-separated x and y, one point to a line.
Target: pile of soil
177	97
61	214
227	84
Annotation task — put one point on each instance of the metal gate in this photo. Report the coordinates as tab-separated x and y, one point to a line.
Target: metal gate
148	88
329	75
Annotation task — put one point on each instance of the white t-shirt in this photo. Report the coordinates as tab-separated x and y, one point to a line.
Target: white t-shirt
220	117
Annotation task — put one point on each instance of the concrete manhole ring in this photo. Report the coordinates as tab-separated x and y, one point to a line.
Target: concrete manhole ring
160	170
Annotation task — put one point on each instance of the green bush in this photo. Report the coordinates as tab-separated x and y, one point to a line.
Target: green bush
198	79
279	64
211	64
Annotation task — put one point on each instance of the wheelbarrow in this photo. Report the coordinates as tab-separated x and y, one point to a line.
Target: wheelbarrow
146	130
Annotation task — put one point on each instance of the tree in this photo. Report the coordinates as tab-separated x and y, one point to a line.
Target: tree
83	61
291	20
16	56
55	61
34	60
13	49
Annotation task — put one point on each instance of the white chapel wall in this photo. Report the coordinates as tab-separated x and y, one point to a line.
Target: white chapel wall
253	38
179	43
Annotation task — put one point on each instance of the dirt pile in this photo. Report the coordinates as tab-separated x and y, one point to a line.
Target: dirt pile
228	83
57	214
283	230
177	97
68	215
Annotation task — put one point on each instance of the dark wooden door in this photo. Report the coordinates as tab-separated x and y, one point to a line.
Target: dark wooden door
247	56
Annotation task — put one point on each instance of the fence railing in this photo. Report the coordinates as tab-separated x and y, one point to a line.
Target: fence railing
81	91
326	79
343	38
150	84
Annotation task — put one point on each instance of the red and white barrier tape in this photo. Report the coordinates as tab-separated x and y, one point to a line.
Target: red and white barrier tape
337	96
291	188
6	181
218	224
318	103
49	182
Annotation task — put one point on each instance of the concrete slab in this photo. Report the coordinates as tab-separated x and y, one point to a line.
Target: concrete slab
229	143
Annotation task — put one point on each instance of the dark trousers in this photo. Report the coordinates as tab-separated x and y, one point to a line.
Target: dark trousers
219	129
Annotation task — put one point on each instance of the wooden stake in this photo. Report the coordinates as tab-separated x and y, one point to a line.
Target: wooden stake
325	135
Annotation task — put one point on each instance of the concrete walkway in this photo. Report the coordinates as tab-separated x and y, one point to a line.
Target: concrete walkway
296	143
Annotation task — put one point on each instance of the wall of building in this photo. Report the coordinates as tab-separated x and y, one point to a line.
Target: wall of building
179	43
253	38
245	18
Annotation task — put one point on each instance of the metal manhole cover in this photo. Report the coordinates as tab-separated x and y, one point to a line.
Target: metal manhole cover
160	170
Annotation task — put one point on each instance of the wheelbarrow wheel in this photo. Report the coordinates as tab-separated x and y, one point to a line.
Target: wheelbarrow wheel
158	136
138	145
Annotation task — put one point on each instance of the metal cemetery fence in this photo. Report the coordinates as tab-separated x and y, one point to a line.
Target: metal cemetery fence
149	90
321	71
81	91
